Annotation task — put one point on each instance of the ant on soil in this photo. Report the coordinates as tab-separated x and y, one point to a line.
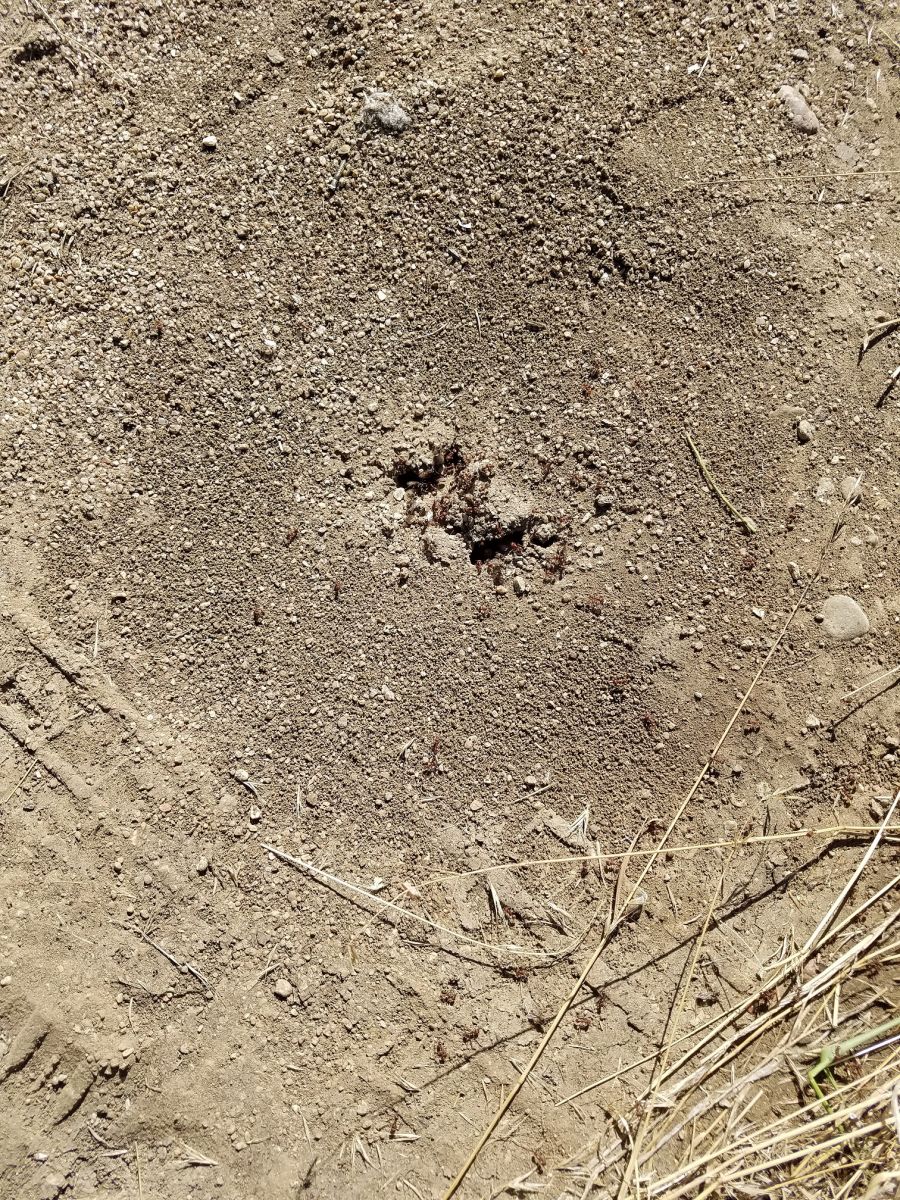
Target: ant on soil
258	613
440	509
555	566
431	760
440	1052
471	1035
291	536
337	586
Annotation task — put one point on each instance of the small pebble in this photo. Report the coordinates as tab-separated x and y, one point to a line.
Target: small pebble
383	110
210	142
804	432
202	866
844	619
283	988
795	572
6	981
813	722
798	110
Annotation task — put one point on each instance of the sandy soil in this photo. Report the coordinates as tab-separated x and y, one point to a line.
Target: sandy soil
349	358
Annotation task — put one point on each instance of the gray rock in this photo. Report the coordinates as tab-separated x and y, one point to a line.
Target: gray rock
283	989
210	142
603	502
383	111
843	619
804	432
797	107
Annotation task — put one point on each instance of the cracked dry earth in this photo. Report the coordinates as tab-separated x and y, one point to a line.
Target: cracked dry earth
348	353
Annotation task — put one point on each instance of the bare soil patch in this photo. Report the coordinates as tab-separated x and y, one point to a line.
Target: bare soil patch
350	355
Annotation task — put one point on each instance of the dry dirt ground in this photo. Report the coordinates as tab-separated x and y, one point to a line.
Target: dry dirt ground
347	508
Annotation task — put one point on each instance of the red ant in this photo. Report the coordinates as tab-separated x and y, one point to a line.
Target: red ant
431	761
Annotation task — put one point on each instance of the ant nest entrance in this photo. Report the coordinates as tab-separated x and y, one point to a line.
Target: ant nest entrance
464	505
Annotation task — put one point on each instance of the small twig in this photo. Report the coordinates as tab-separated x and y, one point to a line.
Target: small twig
179	966
537	791
336	178
21	783
746	522
137	1159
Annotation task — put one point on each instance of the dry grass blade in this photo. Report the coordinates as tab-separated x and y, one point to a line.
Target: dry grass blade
193	1159
846	1141
624	907
826	921
825	831
672	1032
746	523
878	331
871	683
